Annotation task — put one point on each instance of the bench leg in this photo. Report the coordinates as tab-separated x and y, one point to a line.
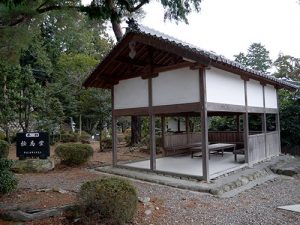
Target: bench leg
235	157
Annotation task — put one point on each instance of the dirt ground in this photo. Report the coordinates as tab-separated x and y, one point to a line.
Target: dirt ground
60	186
169	205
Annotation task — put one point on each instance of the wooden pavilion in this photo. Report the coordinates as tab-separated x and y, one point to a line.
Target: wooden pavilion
153	74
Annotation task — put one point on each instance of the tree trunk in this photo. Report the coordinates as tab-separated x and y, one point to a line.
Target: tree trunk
135	121
113	19
135	130
80	124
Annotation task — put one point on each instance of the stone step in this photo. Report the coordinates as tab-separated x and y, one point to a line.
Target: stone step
232	185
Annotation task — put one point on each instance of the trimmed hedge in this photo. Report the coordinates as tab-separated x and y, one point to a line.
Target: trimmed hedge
106	143
74	153
8	181
110	200
4	149
69	137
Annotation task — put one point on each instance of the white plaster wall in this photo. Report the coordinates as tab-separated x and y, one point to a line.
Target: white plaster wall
224	87
270	97
131	93
176	87
255	94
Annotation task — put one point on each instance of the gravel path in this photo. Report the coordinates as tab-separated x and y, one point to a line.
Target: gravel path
175	206
255	206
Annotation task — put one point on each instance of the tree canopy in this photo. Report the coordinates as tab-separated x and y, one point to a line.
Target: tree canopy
257	57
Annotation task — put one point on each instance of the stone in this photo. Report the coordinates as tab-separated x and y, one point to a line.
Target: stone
33	166
148	212
144	199
244	180
156	208
226	188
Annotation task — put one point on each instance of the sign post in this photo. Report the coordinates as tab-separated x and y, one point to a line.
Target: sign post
33	145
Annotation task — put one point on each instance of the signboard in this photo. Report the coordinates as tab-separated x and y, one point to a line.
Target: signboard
33	145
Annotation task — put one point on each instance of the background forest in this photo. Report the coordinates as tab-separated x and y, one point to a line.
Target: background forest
48	48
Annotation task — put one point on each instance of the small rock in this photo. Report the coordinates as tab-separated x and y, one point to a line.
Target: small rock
148	212
144	200
156	208
244	180
62	191
226	188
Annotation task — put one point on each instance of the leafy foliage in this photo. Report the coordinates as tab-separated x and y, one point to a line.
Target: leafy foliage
289	119
257	58
8	181
4	149
74	154
109	200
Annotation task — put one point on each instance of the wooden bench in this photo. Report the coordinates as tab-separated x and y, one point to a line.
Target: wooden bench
238	152
218	147
178	148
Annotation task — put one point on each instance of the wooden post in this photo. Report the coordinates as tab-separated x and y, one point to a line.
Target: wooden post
278	121
238	128
187	129
246	127
204	127
114	132
152	128
163	127
264	122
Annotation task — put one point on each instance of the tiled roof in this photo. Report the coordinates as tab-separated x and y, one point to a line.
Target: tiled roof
137	28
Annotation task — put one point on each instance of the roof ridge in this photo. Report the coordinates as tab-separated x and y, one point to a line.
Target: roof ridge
133	26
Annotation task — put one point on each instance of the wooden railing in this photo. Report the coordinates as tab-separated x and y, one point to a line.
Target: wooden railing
213	137
257	150
272	143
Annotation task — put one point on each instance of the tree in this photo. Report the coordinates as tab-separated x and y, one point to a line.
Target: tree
19	11
287	67
257	58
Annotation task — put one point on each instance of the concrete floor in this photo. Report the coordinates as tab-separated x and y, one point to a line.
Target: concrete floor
184	164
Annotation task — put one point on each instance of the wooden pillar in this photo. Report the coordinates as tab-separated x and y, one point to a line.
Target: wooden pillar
152	128
187	129
264	122
163	127
114	132
238	128
246	126
278	121
204	126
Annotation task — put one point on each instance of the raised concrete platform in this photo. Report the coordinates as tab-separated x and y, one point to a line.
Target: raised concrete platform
227	185
185	164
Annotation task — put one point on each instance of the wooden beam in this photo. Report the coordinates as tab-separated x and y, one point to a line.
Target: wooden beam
129	61
114	132
211	106
204	125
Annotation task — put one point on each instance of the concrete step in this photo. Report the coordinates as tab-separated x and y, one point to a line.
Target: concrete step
240	181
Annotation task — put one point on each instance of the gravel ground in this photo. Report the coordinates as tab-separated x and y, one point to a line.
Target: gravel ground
175	206
255	206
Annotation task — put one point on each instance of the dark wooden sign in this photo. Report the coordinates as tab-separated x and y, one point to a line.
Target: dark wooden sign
33	145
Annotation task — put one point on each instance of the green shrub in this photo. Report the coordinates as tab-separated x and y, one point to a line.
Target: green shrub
74	154
2	136
84	137
106	143
108	200
69	137
8	181
127	136
4	149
